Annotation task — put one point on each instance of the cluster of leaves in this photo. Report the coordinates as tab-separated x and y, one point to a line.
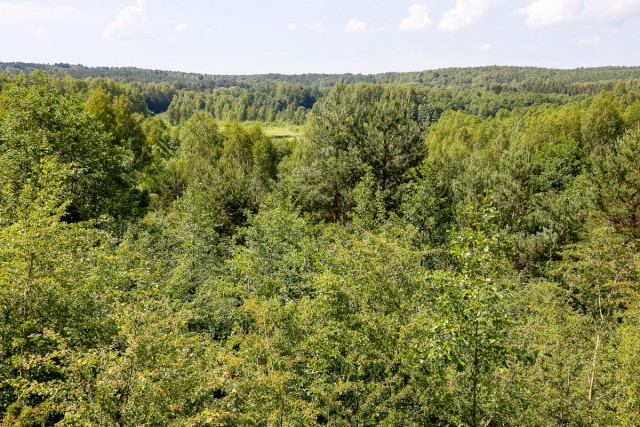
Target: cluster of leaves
404	262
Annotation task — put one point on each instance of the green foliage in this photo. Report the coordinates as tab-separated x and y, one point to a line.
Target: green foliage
626	374
354	128
36	123
119	119
427	206
265	103
454	140
327	160
602	122
617	176
57	283
392	142
459	254
459	335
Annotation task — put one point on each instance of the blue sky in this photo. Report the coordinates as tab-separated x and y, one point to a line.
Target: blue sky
321	36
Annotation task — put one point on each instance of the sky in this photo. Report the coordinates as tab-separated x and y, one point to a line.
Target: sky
321	36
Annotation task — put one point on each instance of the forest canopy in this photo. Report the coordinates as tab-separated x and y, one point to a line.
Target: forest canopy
453	247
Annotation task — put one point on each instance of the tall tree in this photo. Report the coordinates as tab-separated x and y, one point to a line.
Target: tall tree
328	162
392	140
618	179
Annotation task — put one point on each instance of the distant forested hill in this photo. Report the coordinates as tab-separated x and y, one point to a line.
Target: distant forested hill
280	98
497	78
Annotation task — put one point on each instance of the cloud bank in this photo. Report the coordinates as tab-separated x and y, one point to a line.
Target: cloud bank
128	19
549	12
355	26
418	19
465	13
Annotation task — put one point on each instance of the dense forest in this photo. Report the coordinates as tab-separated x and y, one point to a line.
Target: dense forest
450	248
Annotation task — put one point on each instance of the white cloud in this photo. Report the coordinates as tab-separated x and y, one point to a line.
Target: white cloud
292	27
485	47
609	11
418	19
318	27
128	19
465	13
209	30
180	28
587	41
21	13
355	26
549	12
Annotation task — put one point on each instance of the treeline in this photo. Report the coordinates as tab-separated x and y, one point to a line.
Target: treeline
527	79
284	102
181	80
289	98
291	103
497	78
469	269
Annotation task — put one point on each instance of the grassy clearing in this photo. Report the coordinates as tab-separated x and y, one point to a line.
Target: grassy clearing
282	131
276	130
